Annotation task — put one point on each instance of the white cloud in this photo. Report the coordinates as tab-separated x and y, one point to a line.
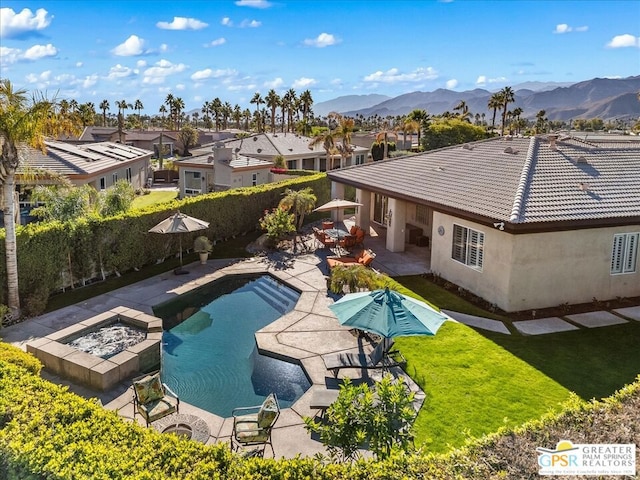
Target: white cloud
40	51
141	63
250	24
182	23
483	80
41	79
451	84
253	3
226	21
217	42
13	55
303	82
13	24
164	47
119	71
162	69
393	75
132	46
275	83
79	64
89	81
564	28
322	40
209	73
626	40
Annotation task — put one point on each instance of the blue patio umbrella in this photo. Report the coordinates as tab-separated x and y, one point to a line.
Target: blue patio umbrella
387	313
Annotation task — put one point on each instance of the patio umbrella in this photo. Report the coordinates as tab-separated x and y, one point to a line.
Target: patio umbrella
336	205
387	313
179	223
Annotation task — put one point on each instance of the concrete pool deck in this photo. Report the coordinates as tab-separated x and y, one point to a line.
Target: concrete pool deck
303	335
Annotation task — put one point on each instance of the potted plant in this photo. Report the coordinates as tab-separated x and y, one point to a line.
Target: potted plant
203	246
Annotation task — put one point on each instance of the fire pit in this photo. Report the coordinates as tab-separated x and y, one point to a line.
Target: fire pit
184	425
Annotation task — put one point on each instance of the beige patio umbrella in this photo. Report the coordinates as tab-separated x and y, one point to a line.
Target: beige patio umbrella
336	205
179	223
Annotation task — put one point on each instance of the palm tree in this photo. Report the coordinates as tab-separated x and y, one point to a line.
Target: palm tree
104	106
383	136
508	96
273	101
22	122
257	99
411	126
237	115
305	102
176	107
216	108
290	99
344	131
422	117
122	106
328	142
300	201
162	110
516	113
87	113
495	102
464	111
138	106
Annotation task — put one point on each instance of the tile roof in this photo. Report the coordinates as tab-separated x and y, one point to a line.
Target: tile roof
237	161
84	159
521	181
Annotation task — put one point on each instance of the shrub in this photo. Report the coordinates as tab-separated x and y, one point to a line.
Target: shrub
202	244
277	223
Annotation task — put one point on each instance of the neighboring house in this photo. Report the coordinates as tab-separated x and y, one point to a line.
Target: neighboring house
97	164
218	168
524	223
294	148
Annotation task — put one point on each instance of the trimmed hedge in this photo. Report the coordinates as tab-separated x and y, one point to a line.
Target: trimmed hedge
55	255
46	432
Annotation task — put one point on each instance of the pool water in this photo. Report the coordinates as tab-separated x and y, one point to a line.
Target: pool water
209	356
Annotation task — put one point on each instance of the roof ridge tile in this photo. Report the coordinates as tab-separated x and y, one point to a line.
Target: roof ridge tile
523	184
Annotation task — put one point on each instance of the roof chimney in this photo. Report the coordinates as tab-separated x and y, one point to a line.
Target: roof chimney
552	141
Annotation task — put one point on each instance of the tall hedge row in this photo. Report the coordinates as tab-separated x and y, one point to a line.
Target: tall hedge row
54	256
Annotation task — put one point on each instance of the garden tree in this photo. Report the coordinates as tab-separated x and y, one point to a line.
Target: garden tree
116	199
378	150
445	132
422	117
189	137
354	278
195	116
23	122
279	161
64	203
104	106
277	223
383	137
301	202
328	141
273	101
380	418
257	99
495	102
508	96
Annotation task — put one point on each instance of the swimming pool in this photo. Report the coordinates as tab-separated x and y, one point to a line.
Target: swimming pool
209	355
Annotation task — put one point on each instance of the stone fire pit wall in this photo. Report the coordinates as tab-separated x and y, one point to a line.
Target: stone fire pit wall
95	372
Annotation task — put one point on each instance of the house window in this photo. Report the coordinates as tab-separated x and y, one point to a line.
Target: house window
359	159
192	183
625	253
468	246
422	214
114	178
254	179
129	175
103	183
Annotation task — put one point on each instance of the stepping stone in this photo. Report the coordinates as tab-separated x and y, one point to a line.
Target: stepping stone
629	312
543	325
479	322
596	319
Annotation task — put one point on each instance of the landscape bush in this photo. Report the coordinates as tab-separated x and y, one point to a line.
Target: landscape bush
55	256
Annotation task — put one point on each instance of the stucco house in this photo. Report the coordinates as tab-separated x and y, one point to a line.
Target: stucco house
218	168
524	223
294	148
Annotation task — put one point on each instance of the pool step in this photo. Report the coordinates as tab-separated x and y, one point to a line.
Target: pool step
279	298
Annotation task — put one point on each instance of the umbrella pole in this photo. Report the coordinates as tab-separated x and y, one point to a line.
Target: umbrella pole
180	242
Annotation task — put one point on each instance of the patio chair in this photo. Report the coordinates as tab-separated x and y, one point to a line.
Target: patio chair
364	258
324	239
382	357
358	234
153	399
252	425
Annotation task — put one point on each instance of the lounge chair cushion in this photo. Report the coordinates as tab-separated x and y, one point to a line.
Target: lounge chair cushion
366	258
149	389
247	429
353	230
268	412
158	408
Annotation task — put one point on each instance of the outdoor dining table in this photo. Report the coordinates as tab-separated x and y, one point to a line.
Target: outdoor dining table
336	233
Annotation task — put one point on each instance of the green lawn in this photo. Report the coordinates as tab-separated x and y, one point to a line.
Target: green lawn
477	381
153	197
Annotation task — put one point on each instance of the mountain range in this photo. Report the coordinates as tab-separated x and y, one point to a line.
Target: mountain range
604	98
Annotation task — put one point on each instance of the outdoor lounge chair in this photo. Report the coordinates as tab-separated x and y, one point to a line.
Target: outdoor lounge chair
381	357
323	238
363	258
153	399
252	425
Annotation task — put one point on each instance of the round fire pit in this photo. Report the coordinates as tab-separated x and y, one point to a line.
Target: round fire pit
184	425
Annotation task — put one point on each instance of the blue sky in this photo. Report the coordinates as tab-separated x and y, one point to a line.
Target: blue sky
200	50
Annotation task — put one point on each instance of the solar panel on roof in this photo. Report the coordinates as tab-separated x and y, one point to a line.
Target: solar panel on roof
74	150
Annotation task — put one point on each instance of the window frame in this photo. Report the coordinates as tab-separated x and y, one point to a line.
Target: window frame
188	189
467	246
624	253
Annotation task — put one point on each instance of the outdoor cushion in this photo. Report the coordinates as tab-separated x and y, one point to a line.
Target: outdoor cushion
149	389
268	412
353	230
249	431
367	257
156	409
